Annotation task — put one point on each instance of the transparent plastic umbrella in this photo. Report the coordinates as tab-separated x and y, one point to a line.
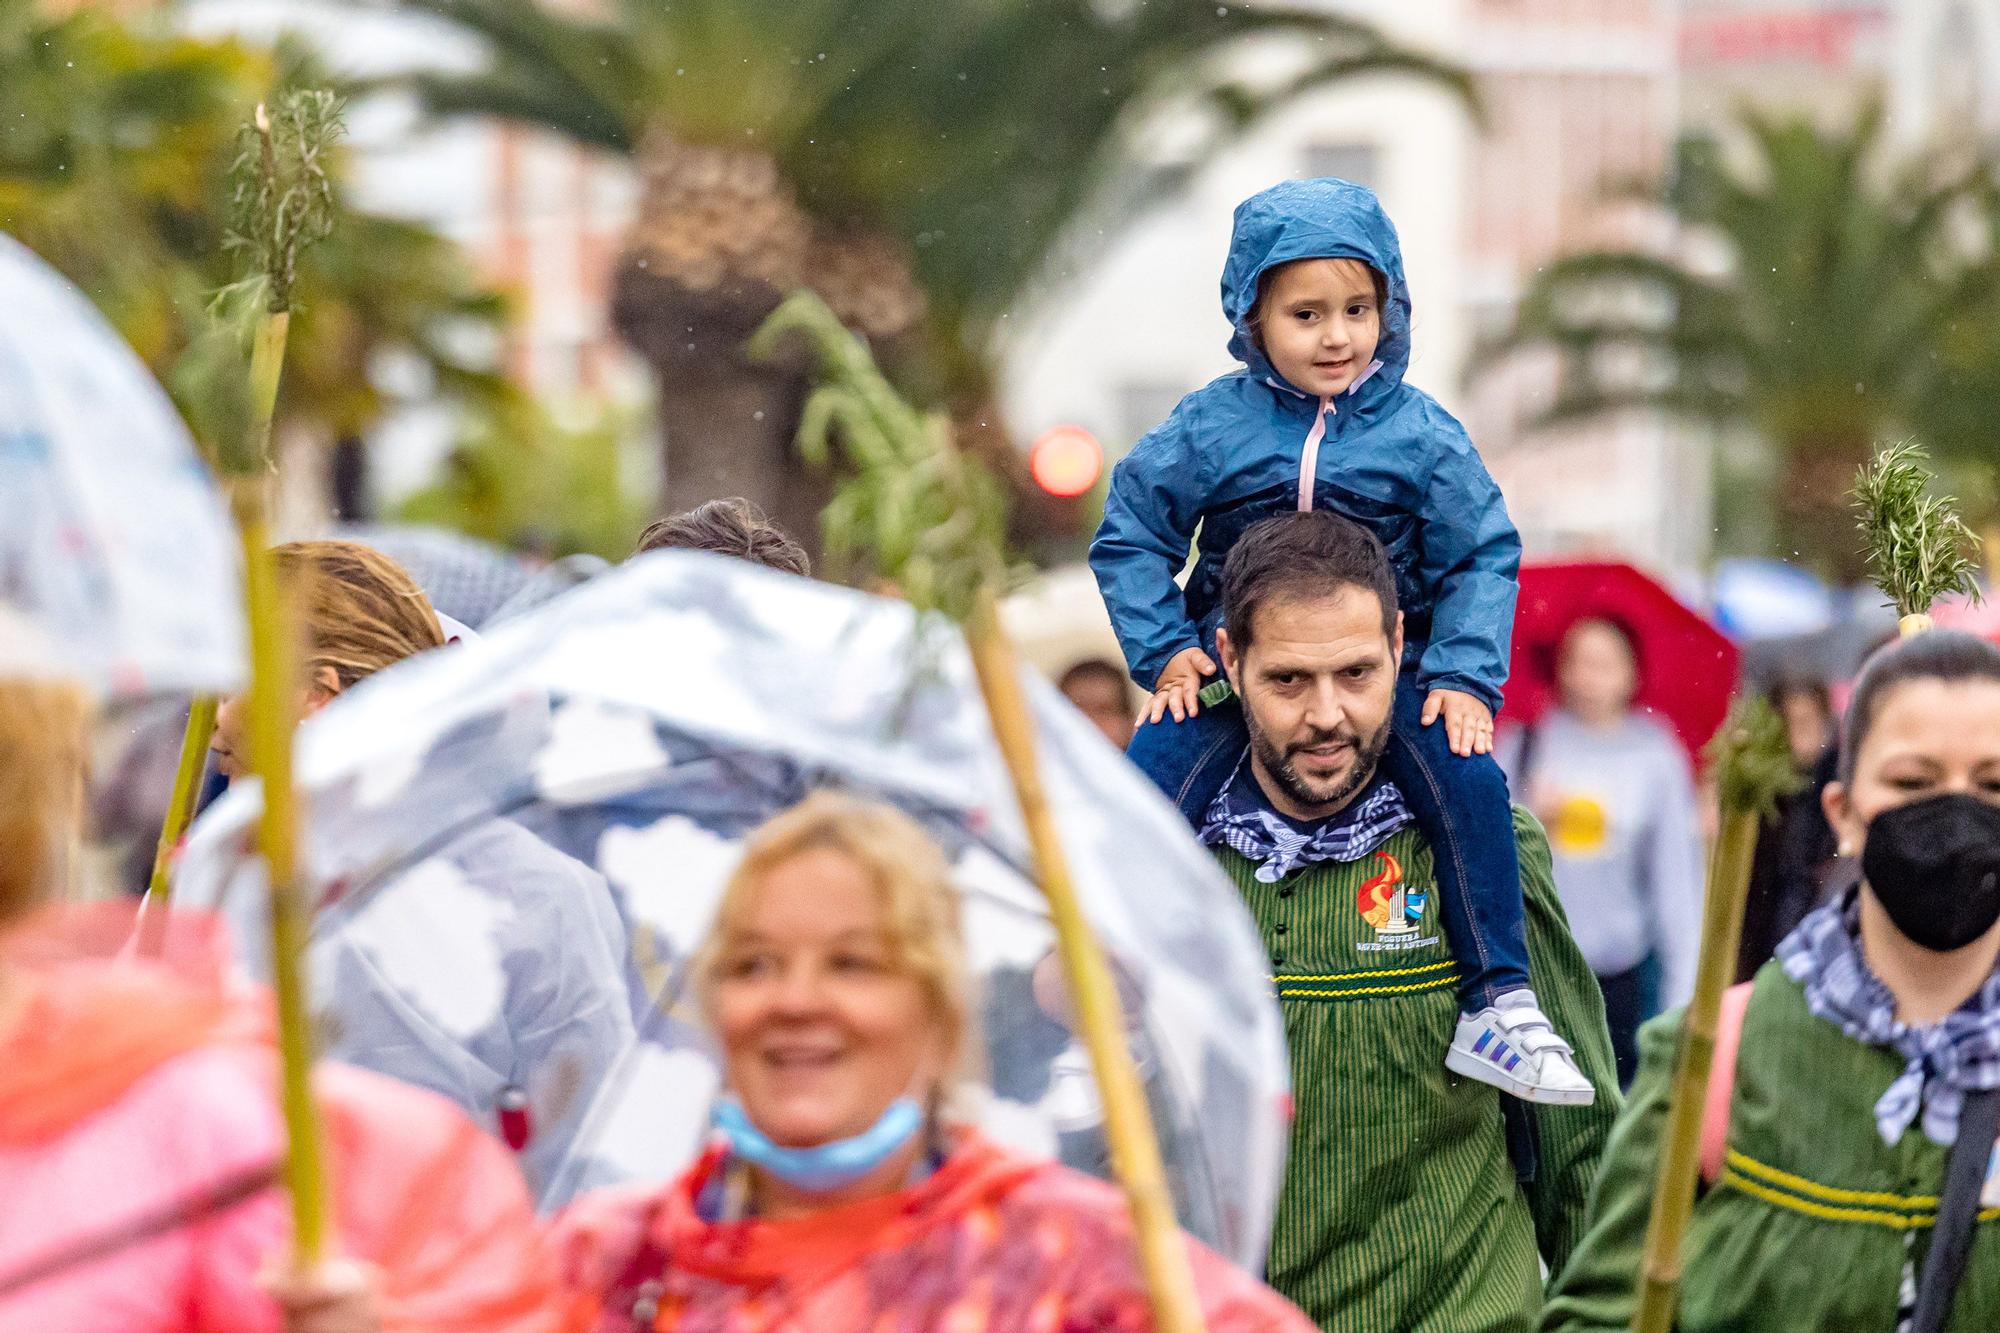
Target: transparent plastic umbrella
118	564
642	725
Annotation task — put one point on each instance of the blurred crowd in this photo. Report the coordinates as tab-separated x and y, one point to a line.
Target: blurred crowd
695	945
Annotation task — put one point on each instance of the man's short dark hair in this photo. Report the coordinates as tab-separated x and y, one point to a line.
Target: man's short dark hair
728	527
1307	554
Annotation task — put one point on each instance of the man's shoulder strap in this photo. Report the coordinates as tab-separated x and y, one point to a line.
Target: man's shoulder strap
1722	1080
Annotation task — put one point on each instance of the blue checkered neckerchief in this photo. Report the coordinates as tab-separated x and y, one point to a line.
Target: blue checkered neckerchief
1241	818
1941	1062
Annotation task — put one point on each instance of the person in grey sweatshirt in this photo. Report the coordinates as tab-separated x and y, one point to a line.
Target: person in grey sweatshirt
1614	788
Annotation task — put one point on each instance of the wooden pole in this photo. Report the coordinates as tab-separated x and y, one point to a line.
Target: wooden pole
1680	1161
1128	1126
187	789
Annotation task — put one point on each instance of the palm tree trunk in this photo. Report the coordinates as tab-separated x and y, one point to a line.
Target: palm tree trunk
347	479
1816	520
729	432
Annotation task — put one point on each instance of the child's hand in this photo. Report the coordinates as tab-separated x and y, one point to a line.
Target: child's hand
1468	723
1179	688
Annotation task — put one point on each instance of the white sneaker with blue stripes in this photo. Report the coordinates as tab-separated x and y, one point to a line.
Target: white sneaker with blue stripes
1512	1045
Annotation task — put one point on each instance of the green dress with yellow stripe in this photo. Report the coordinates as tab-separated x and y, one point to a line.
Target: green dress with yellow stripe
1400	1210
1813	1218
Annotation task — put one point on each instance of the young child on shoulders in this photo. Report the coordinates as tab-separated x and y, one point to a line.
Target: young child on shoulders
1319	416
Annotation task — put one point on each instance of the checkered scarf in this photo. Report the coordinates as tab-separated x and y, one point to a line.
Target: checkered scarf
1241	818
1941	1062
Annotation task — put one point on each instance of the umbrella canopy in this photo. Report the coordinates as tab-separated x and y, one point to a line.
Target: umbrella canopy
1687	667
1764	599
642	725
118	566
465	578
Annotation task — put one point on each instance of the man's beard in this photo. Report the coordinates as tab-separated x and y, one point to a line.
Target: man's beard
1278	767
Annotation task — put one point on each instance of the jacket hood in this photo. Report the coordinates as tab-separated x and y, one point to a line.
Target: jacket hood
1326	218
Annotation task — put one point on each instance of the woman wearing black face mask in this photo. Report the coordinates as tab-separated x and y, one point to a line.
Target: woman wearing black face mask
1852	1182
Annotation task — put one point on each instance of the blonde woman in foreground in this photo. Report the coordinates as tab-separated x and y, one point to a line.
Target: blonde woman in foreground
842	1193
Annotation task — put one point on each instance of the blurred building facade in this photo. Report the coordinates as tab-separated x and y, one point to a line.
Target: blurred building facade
1934	64
1577	96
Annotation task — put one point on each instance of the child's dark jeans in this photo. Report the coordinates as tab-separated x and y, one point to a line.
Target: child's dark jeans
1460	803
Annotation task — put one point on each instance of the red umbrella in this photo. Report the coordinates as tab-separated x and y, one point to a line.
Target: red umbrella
1687	667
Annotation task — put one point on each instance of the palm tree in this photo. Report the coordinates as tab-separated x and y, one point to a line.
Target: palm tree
917	163
1822	297
115	142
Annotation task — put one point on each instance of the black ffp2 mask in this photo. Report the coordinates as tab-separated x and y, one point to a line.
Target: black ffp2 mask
1934	865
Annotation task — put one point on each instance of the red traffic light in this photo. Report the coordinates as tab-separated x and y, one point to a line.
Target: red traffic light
1066	461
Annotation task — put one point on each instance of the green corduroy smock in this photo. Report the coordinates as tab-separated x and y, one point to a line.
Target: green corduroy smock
1810	1223
1401	1212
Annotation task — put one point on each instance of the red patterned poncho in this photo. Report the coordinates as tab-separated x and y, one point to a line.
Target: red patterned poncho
990	1243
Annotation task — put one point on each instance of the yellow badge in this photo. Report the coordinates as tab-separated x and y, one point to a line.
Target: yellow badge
1581	826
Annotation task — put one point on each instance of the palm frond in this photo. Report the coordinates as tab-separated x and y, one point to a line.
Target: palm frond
580	69
988	137
513	96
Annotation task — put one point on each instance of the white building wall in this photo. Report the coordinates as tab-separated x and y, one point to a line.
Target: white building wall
1942	70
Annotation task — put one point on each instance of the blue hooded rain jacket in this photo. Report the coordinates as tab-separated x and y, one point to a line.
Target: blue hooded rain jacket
1388	457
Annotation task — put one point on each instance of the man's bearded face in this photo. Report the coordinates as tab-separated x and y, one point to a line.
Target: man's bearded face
1317	684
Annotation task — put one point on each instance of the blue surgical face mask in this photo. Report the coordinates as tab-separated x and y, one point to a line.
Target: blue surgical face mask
825	1166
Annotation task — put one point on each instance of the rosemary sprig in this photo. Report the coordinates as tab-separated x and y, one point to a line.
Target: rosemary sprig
1917	546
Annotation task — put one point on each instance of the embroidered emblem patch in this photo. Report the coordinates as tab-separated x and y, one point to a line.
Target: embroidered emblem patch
1393	907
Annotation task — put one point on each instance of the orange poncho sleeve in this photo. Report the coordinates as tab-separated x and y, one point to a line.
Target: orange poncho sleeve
438	1207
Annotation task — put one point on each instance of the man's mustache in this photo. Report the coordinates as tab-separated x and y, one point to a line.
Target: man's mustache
1340	736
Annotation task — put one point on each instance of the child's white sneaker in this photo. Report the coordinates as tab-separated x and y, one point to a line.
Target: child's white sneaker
1512	1045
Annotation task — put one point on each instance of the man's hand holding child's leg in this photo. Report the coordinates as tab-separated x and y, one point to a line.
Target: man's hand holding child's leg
1468	723
1179	688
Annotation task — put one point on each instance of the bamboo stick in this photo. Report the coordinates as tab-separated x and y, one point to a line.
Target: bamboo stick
1673	1198
285	204
273	708
1128	1126
187	789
